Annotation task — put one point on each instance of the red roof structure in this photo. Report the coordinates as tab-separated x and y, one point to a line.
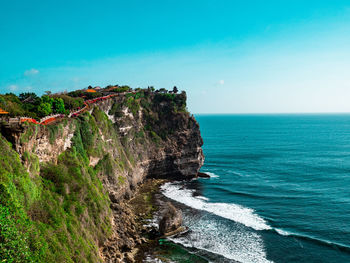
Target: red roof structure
90	90
3	112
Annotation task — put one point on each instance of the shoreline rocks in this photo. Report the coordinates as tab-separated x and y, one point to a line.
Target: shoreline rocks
171	220
203	175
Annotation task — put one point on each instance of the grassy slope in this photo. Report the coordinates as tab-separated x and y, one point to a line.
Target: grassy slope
58	213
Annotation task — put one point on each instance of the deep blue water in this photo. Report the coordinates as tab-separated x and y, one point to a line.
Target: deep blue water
280	190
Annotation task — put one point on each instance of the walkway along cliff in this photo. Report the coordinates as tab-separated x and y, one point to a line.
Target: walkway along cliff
63	186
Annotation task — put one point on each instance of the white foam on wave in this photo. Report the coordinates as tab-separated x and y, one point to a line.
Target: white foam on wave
151	259
240	174
212	175
282	232
202	198
310	237
234	212
215	236
153	222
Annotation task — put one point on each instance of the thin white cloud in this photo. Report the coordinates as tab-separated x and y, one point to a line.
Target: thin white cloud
13	88
221	82
31	72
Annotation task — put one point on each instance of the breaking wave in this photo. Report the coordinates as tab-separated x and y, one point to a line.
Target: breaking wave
237	213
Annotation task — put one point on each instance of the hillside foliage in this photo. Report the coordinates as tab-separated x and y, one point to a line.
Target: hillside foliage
58	212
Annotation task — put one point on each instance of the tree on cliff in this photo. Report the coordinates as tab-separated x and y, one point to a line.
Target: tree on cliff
175	90
45	107
58	106
28	97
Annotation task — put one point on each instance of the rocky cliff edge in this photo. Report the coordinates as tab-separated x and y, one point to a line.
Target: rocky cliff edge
114	147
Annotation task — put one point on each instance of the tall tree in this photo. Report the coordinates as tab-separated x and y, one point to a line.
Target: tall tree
44	109
28	97
58	106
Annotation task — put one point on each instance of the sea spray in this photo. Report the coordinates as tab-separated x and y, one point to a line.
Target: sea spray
237	239
237	213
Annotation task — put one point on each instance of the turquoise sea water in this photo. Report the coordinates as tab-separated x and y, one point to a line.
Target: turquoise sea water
279	191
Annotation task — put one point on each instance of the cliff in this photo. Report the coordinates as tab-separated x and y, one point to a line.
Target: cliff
63	187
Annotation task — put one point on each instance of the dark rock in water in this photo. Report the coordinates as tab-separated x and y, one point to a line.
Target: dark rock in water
203	175
171	220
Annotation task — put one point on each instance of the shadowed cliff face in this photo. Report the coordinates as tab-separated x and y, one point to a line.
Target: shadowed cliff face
122	141
163	135
181	156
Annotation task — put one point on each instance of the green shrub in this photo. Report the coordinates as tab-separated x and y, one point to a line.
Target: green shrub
58	106
14	242
30	130
54	130
121	180
155	137
41	217
133	105
116	110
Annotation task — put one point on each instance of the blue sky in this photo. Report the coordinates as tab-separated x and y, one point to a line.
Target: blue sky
230	56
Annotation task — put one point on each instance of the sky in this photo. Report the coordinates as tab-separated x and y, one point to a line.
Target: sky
230	56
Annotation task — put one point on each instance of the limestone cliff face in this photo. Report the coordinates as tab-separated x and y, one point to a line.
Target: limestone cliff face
171	140
126	139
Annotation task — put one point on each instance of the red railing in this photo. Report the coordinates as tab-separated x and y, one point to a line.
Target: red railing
87	103
23	119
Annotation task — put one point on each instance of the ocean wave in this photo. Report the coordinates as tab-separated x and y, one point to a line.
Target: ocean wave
234	212
202	198
240	174
282	232
320	241
229	191
218	238
151	259
212	175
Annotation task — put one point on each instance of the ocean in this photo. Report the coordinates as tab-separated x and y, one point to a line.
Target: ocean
279	190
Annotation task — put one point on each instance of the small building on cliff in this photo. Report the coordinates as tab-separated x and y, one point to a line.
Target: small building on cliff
3	113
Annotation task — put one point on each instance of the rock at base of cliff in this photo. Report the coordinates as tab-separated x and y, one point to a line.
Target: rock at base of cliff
203	175
171	220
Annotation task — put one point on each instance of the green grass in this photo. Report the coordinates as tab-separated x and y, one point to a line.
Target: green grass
31	130
155	137
116	110
121	180
54	130
59	216
133	104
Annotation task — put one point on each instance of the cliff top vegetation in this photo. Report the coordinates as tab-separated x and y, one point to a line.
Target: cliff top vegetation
31	105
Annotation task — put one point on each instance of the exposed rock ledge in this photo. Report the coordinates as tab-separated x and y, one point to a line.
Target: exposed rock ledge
171	221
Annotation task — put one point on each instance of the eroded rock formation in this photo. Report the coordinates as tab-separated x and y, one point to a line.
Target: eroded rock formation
171	220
